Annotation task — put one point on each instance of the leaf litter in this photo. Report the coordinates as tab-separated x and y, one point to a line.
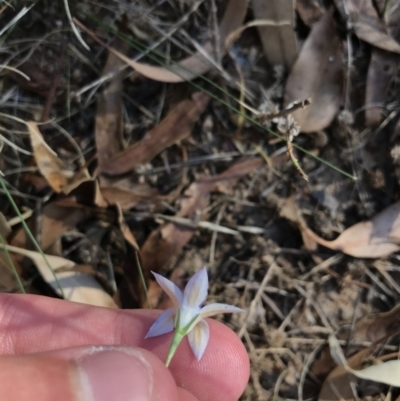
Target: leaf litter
169	173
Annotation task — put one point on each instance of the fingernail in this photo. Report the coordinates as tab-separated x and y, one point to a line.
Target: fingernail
117	374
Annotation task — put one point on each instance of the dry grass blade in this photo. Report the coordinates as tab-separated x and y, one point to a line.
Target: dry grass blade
192	66
370	239
279	41
77	287
317	74
176	126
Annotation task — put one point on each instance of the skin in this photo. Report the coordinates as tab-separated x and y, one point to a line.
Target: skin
45	340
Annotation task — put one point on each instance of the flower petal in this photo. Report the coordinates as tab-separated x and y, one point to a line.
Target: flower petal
198	338
196	289
214	309
164	324
170	288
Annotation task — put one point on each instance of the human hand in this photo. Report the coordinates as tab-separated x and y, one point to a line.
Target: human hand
57	350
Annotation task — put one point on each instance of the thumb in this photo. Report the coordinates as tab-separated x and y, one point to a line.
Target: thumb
100	373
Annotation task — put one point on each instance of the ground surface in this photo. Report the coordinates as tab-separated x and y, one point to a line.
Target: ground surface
203	186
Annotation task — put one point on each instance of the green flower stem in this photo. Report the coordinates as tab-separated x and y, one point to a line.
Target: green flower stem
176	340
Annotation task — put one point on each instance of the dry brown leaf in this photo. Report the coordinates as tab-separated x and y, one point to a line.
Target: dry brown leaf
337	386
369	27
309	11
56	218
317	74
167	240
129	198
77	287
195	65
370	239
279	42
108	125
131	290
373	327
381	71
56	172
177	125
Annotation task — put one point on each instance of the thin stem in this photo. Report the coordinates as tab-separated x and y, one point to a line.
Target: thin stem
29	233
176	340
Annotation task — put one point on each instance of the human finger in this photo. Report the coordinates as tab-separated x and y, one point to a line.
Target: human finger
31	323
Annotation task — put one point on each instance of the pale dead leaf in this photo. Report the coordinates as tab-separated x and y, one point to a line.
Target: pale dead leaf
317	74
370	239
54	170
177	125
279	41
77	287
192	66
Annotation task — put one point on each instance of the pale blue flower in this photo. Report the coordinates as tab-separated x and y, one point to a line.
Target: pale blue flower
187	316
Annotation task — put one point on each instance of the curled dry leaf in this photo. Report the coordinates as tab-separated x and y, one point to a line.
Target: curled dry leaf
54	170
192	66
57	174
375	238
317	74
369	27
177	125
278	39
167	240
77	287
